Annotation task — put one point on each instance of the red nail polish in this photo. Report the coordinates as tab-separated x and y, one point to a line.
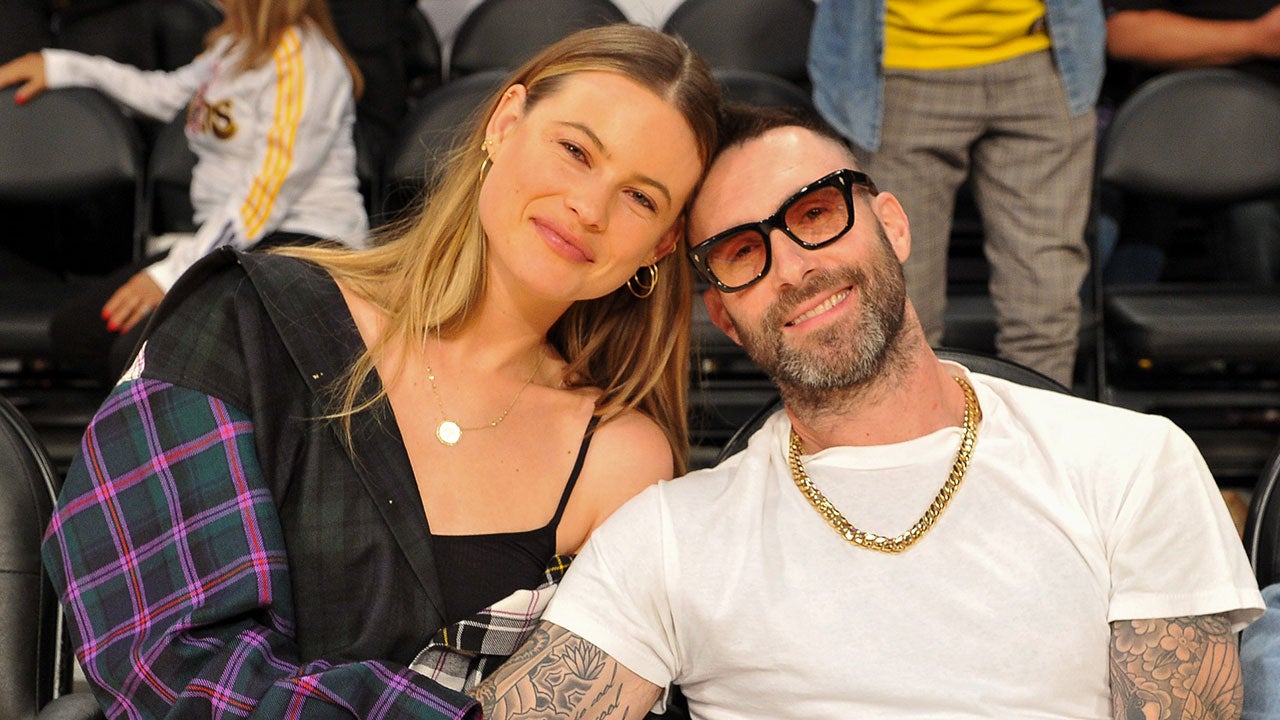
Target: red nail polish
112	325
19	100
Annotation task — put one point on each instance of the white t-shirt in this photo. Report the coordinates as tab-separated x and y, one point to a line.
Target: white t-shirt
1072	515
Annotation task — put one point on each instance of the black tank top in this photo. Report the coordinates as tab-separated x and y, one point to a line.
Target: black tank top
479	570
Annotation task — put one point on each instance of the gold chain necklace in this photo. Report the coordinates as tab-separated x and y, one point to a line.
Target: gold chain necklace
972	416
449	432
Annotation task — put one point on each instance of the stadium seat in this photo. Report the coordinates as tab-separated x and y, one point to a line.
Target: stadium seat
35	661
1262	527
769	36
72	165
426	135
1203	351
501	34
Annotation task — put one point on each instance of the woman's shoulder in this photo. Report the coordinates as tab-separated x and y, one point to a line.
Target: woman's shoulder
628	453
631	432
224	272
210	315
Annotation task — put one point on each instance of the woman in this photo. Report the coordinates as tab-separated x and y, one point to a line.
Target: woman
270	110
320	457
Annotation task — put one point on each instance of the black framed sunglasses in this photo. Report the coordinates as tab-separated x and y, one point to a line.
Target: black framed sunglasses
817	215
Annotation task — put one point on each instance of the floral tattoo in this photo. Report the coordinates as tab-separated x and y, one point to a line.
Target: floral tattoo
1186	667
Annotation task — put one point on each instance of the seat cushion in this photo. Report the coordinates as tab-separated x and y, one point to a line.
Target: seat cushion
1195	323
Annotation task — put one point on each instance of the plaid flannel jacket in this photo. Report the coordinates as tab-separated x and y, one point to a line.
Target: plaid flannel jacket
168	549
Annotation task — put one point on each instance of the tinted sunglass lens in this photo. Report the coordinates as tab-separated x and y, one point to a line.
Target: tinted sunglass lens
736	260
819	216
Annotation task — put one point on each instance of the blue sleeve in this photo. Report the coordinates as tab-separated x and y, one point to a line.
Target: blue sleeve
1260	661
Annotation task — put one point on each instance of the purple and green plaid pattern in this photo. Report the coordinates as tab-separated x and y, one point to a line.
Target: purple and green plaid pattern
169	557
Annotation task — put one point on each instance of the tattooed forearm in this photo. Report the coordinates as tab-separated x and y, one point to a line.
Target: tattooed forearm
557	674
1184	668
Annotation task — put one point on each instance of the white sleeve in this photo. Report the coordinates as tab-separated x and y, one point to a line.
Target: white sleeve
615	592
300	108
154	93
1174	549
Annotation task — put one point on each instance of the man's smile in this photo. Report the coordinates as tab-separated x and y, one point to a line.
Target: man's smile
821	308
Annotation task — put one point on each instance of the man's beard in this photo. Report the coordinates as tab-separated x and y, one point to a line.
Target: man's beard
841	356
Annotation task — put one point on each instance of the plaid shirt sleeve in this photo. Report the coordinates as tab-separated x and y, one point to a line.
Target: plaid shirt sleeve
460	655
168	554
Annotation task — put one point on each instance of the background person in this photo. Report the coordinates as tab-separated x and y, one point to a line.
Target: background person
270	109
321	457
1002	93
1148	37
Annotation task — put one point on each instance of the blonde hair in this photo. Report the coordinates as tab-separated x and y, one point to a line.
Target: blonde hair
426	272
258	25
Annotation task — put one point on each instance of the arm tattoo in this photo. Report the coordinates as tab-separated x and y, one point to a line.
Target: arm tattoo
1185	668
557	674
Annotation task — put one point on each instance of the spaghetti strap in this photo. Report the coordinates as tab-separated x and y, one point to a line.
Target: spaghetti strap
577	468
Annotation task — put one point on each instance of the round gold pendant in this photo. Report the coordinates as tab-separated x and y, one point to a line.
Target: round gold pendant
448	432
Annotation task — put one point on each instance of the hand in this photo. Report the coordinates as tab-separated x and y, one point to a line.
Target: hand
28	70
132	303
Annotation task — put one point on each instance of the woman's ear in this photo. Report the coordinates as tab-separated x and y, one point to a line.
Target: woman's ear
670	239
894	221
505	116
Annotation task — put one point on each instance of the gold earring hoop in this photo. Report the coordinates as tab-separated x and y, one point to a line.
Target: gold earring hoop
643	288
488	161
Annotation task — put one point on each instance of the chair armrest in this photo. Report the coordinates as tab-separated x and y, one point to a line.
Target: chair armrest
75	706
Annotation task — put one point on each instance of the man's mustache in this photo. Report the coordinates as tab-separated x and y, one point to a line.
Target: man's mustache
822	281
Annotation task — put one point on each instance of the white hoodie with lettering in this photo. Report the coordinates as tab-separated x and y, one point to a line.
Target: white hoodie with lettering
274	144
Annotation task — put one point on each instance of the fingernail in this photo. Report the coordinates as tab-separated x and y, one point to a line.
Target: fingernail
112	325
19	99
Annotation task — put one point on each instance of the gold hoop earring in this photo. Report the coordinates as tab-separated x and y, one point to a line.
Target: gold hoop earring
643	288
488	161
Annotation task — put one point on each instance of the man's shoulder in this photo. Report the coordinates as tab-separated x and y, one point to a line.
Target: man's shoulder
729	479
1070	416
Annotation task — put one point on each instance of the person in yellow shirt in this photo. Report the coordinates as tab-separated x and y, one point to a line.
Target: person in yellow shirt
1000	92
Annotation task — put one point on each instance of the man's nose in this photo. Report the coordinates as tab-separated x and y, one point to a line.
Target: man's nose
790	261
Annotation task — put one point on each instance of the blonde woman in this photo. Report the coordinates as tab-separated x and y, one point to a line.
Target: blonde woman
321	458
270	108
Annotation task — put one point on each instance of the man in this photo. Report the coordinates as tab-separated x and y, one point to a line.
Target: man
1077	562
1003	93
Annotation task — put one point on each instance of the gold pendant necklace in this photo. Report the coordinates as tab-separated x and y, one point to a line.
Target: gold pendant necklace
449	432
870	541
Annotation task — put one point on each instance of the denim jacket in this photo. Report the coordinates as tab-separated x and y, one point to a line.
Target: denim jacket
847	48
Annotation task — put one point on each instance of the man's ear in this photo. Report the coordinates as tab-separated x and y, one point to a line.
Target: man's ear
714	300
505	116
894	221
